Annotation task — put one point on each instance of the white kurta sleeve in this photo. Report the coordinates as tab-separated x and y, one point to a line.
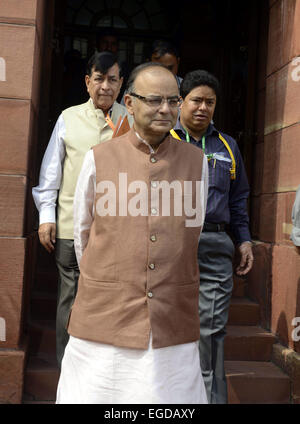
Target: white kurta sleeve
45	194
84	204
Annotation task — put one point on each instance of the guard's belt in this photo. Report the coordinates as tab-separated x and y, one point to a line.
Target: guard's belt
210	227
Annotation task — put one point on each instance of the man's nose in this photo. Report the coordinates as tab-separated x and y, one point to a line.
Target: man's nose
164	106
105	84
203	106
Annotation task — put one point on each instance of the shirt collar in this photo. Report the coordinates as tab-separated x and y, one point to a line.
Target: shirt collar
145	147
211	129
145	142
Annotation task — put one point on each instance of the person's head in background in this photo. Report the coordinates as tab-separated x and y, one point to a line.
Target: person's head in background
199	91
107	41
103	79
165	53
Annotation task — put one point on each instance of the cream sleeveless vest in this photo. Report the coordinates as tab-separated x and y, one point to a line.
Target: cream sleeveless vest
85	128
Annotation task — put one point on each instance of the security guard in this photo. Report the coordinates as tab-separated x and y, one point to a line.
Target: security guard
226	208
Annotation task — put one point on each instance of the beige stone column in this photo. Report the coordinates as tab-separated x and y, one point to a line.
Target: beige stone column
21	36
275	280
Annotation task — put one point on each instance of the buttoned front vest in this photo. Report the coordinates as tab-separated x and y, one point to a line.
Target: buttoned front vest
85	128
139	271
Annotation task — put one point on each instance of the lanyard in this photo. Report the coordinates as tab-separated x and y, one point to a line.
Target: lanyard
187	136
109	121
188	140
211	155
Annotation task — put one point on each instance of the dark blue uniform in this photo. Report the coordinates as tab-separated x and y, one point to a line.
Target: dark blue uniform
226	205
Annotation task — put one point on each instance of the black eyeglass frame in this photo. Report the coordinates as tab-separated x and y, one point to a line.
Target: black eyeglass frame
147	100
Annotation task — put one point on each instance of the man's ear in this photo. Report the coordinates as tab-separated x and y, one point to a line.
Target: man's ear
128	100
87	82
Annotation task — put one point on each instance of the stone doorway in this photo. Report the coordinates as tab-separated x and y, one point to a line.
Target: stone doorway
223	37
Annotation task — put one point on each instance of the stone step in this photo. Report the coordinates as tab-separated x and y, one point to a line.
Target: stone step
239	286
256	383
42	338
243	311
248	343
40	380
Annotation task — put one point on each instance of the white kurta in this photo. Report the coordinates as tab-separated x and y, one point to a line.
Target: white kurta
95	373
98	373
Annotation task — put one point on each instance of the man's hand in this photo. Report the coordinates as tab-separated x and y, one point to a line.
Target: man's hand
246	262
47	234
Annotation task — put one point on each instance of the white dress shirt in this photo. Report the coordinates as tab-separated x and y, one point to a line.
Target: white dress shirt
45	194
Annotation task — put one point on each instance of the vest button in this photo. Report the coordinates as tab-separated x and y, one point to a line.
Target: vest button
150	294
152	266
153	238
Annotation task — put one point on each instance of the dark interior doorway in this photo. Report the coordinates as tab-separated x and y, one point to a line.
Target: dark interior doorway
220	36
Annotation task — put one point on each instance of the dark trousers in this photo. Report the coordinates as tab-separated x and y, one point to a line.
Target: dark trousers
215	255
67	288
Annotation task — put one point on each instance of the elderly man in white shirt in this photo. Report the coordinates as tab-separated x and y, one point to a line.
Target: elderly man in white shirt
77	130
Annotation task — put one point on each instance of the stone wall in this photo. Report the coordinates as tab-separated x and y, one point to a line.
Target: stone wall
275	279
21	35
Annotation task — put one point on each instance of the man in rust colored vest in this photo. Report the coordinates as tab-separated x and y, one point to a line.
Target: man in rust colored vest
139	208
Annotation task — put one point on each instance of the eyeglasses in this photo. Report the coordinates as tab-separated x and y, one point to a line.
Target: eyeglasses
156	101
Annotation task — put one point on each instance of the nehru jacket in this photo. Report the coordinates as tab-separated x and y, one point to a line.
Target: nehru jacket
139	272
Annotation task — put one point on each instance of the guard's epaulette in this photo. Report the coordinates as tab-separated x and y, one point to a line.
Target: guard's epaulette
175	135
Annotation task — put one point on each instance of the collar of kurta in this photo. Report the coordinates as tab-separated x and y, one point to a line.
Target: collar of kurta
139	143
